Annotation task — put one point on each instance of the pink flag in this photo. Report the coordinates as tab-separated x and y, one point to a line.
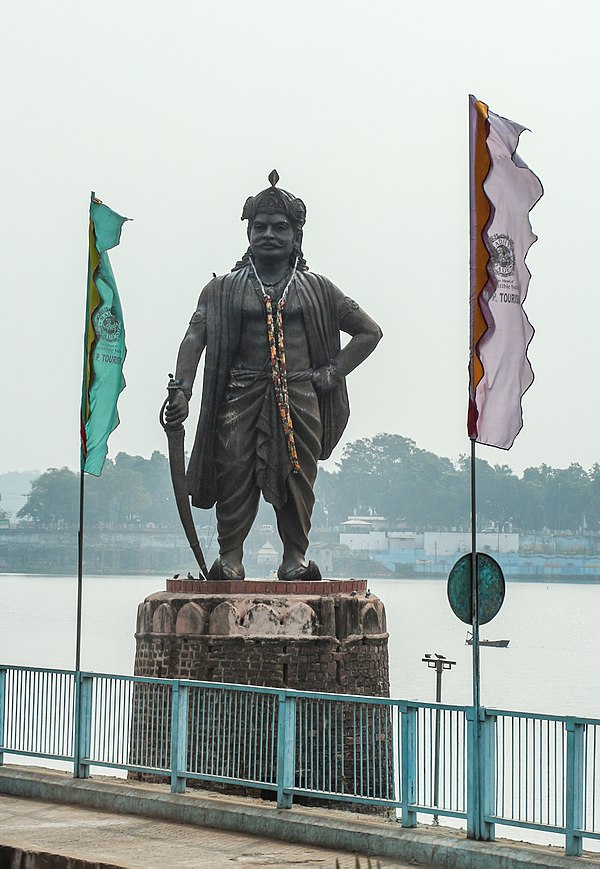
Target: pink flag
503	190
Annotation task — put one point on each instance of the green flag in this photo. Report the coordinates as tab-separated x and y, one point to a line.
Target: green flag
104	341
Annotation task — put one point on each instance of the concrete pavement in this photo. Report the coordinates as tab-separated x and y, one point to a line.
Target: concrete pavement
33	830
89	818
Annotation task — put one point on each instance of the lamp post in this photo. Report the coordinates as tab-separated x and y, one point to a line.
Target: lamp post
438	663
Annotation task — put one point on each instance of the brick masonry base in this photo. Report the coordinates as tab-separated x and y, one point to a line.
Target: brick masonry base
275	634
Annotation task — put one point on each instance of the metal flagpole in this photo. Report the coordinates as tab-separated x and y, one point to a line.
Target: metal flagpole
475	755
474	583
98	414
79	571
77	769
76	728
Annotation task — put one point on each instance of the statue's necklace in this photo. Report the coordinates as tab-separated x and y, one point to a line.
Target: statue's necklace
272	284
278	364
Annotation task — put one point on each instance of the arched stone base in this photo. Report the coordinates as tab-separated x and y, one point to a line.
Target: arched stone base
281	639
326	636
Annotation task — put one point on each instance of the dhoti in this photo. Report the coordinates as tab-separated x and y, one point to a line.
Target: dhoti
252	457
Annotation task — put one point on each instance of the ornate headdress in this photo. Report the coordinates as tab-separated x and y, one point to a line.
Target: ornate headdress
271	201
274	199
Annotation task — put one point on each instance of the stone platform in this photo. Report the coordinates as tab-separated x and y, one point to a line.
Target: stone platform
268	586
322	636
328	636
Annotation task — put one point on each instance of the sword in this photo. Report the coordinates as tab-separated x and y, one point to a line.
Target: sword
175	439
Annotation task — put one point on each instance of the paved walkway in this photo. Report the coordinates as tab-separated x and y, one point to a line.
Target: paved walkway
33	826
108	823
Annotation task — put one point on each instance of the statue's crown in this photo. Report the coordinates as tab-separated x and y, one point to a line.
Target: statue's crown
272	200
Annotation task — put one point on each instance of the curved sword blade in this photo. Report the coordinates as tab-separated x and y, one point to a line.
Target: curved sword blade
175	440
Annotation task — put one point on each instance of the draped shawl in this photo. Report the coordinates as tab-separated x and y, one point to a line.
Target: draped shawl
321	302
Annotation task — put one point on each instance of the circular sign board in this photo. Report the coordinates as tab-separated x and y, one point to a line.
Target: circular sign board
491	588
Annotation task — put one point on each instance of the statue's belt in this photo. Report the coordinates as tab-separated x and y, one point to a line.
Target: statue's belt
246	377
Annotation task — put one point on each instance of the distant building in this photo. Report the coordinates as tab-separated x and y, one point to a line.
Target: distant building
267	556
368	534
458	542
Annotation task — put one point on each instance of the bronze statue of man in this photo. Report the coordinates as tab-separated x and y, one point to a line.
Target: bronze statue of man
274	397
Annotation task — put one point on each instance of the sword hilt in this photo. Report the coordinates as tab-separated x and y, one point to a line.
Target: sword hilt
173	387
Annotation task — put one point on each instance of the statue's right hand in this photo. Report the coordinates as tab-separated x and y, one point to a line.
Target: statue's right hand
177	409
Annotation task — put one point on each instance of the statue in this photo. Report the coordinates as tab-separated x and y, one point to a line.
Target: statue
274	397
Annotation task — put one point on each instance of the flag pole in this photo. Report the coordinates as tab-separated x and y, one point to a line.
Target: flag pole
79	570
78	771
475	757
82	421
103	382
474	582
502	192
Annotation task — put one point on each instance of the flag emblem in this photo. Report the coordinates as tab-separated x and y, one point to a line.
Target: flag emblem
107	324
503	256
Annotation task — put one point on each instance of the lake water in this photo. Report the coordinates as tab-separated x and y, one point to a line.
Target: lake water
552	664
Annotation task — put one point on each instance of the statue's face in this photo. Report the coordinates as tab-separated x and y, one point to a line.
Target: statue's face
271	237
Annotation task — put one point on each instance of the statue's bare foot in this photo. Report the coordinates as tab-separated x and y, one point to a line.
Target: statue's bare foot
309	572
224	569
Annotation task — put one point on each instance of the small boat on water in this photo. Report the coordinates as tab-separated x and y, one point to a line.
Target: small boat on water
496	644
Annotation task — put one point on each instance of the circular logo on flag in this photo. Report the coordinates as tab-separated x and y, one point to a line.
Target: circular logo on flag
107	325
503	255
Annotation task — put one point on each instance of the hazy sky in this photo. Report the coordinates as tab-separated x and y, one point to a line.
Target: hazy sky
175	112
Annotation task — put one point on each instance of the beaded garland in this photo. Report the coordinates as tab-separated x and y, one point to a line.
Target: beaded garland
278	364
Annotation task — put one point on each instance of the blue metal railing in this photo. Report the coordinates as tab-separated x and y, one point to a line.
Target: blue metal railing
536	771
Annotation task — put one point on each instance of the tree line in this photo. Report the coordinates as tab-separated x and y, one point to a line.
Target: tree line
131	492
387	475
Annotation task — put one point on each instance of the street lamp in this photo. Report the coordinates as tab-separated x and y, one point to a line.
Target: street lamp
439	663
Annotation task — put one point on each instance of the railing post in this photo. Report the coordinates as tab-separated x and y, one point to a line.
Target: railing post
473	781
286	749
2	708
487	772
179	736
574	787
408	749
83	724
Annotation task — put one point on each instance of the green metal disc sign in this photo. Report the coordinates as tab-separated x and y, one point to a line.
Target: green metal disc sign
491	588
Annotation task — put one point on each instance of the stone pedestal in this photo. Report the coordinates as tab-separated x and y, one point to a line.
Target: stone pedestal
314	636
327	636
